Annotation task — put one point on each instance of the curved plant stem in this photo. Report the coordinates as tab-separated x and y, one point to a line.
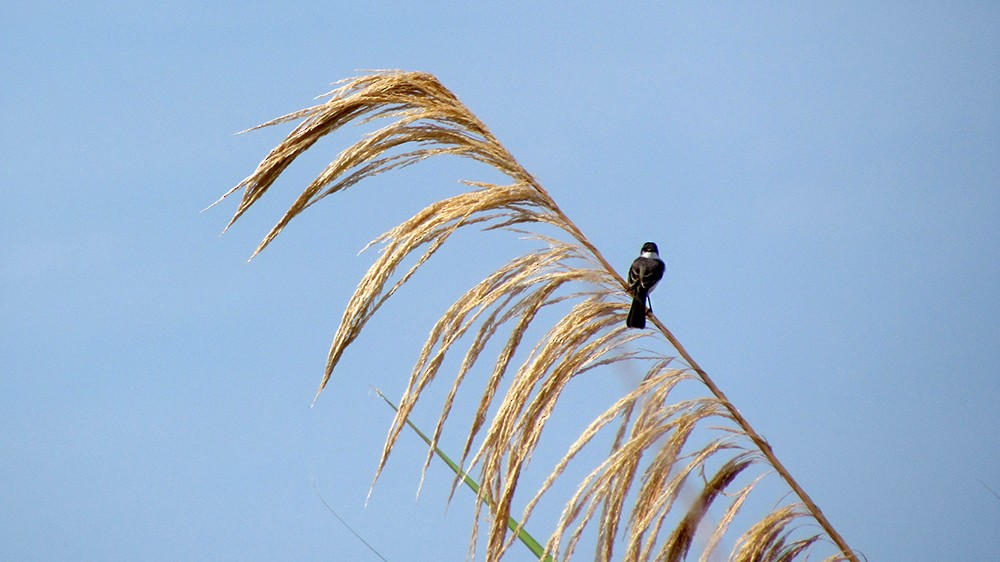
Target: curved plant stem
762	444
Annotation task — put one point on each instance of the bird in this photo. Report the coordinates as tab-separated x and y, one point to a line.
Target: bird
645	273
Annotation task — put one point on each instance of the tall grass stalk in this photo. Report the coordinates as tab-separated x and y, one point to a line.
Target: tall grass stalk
634	500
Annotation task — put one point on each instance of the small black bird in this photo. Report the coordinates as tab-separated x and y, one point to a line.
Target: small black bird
645	273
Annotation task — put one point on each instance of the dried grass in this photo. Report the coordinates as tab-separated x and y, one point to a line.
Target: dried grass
634	497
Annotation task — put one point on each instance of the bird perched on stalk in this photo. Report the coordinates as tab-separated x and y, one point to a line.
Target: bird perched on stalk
645	273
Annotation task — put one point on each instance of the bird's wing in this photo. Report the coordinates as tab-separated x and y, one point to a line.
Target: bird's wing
635	275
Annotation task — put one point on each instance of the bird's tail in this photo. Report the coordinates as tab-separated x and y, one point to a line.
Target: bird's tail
637	314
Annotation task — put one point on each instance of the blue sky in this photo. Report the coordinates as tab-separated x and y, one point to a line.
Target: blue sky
823	182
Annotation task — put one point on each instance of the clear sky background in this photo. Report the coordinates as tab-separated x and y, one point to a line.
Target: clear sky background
823	182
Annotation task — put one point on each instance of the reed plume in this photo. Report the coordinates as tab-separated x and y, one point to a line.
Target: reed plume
634	502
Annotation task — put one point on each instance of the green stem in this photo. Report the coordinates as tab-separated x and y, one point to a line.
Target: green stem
529	541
